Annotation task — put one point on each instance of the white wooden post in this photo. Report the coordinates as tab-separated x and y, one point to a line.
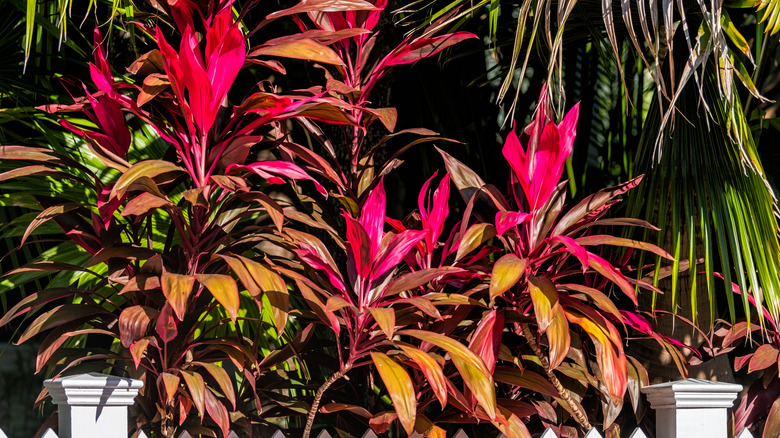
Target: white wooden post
92	405
692	408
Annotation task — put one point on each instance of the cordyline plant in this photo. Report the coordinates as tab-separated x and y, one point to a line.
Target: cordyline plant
466	328
176	291
758	408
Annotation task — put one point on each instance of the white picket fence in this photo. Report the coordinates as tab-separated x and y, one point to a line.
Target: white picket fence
96	406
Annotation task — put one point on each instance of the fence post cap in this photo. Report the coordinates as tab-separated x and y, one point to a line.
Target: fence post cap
692	393
93	389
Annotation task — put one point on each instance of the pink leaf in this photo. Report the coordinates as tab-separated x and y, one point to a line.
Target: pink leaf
372	217
506	220
395	251
268	170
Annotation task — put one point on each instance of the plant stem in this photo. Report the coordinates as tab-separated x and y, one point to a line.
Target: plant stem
578	414
318	397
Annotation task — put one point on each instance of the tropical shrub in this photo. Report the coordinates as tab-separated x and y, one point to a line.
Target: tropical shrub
213	271
509	301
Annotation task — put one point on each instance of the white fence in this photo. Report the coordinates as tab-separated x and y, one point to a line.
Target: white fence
95	406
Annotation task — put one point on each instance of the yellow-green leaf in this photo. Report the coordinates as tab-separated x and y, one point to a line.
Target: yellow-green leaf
305	48
558	336
385	318
506	272
471	367
143	169
223	288
171	384
177	289
258	279
510	425
476	235
399	386
197	389
432	371
544	296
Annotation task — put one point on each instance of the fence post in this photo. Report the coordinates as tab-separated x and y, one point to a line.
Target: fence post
92	405
692	408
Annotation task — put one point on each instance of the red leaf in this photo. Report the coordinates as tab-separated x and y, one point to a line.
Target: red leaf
486	339
336	407
166	326
764	357
217	412
170	383
133	322
143	203
58	316
223	288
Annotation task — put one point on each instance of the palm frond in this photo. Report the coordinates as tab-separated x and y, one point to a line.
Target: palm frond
714	211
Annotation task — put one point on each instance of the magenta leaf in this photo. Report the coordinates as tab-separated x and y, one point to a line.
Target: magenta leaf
271	170
372	217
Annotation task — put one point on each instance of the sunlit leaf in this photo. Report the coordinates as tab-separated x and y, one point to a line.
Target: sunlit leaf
506	272
399	386
177	289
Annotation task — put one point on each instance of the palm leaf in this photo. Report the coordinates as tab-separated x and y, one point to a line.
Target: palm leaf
713	209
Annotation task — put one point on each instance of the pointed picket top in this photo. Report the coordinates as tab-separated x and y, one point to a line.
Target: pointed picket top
185	434
278	434
141	434
415	435
460	434
232	434
638	433
593	434
369	434
323	434
745	434
49	434
549	434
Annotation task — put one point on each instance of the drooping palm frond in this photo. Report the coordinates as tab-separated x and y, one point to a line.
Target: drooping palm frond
713	210
53	18
651	26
